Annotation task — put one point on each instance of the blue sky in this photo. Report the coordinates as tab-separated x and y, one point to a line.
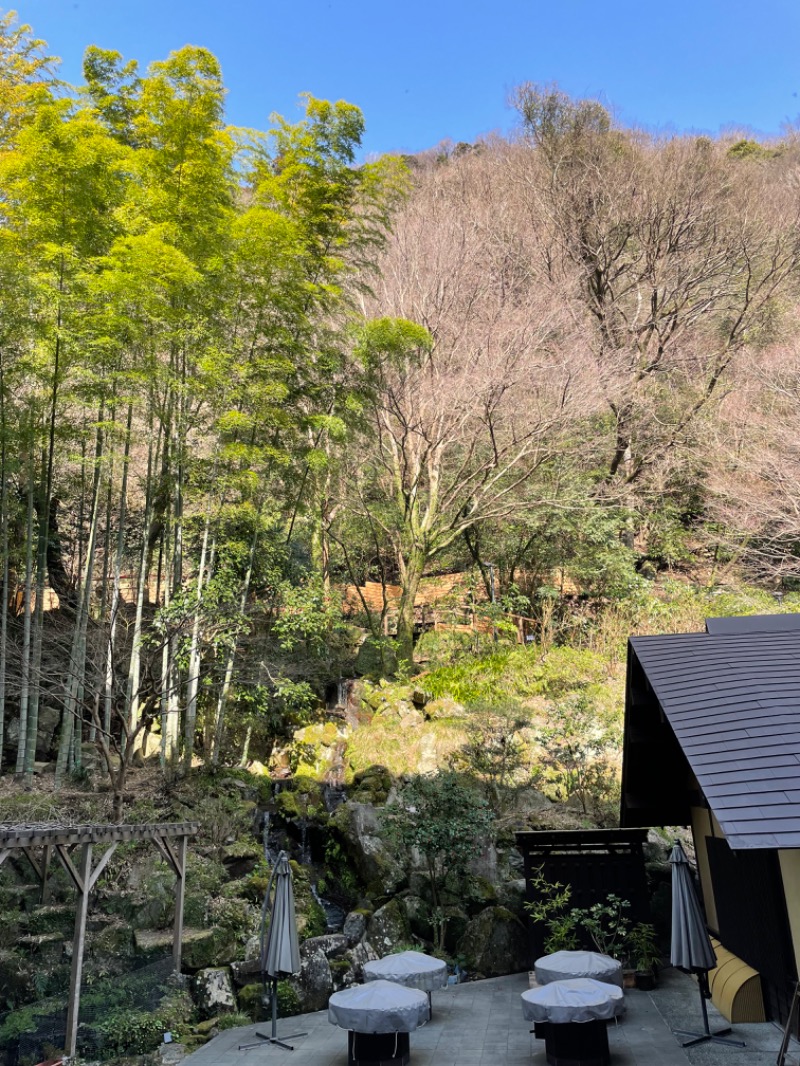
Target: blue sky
428	70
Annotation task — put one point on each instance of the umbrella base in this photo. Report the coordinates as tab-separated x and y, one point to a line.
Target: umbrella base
280	1042
699	1038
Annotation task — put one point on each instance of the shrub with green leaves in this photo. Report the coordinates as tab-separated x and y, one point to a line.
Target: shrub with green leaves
444	822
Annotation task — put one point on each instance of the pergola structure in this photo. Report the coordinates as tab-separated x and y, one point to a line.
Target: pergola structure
76	847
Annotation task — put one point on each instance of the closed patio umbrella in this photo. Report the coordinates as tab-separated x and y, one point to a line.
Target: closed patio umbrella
280	950
691	949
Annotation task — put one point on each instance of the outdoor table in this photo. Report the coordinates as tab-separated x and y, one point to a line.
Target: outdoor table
564	965
378	1016
412	969
571	1017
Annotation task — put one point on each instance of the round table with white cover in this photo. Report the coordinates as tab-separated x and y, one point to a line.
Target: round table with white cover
412	969
571	1017
565	965
379	1016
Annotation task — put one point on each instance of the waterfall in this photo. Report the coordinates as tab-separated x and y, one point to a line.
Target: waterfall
305	850
334	915
266	830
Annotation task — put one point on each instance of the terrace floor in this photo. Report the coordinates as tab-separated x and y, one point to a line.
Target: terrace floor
480	1023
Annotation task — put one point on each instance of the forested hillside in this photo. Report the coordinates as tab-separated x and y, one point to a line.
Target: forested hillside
240	371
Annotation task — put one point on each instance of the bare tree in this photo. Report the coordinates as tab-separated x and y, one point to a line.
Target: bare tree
469	381
671	254
756	473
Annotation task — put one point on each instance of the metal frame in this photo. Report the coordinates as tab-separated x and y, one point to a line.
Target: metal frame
73	846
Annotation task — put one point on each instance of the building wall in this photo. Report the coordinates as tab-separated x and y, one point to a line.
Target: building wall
790	872
704	824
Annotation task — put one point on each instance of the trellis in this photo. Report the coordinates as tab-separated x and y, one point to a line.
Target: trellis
40	843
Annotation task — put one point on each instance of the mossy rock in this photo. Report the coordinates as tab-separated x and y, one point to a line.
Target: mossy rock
494	943
54	918
115	940
388	927
372	785
483	891
375	660
251	1002
301	797
444	708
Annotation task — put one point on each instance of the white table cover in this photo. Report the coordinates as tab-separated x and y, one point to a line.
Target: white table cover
378	1007
564	965
578	1000
409	968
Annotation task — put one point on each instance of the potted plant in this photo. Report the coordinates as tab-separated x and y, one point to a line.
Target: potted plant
644	954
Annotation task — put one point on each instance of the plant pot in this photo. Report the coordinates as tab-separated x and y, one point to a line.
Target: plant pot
645	980
629	979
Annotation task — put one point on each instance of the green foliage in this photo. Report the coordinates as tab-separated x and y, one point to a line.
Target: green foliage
130	1032
642	947
495	753
577	752
549	908
444	822
232	1021
550	116
518	673
288	999
606	923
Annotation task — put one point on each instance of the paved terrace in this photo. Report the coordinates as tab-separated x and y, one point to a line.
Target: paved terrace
480	1023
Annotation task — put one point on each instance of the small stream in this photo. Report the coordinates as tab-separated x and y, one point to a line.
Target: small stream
334	915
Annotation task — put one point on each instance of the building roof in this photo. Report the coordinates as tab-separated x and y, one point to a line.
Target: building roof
753	623
731	700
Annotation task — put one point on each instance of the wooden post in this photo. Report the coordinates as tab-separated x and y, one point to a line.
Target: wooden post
78	942
180	893
47	851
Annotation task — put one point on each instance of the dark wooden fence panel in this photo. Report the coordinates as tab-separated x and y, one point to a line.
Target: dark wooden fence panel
594	863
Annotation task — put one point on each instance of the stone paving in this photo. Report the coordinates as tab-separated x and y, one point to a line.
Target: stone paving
480	1023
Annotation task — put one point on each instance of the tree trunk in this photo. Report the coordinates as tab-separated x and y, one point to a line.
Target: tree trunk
219	717
115	596
411	570
27	607
132	703
4	549
77	665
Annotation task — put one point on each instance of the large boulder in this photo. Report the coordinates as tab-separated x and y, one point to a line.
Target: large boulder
213	992
388	927
494	943
46	729
314	984
419	916
355	926
360	830
457	924
357	956
332	945
444	708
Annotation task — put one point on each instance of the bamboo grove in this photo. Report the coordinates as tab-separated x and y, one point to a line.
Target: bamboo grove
174	303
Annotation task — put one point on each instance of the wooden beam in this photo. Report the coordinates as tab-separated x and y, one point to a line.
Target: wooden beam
47	854
68	865
167	854
40	835
31	857
101	865
180	894
78	942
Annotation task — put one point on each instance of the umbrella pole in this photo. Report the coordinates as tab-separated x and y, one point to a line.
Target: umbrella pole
699	1038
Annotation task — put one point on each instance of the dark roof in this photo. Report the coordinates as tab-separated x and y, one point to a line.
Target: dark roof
754	623
732	701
